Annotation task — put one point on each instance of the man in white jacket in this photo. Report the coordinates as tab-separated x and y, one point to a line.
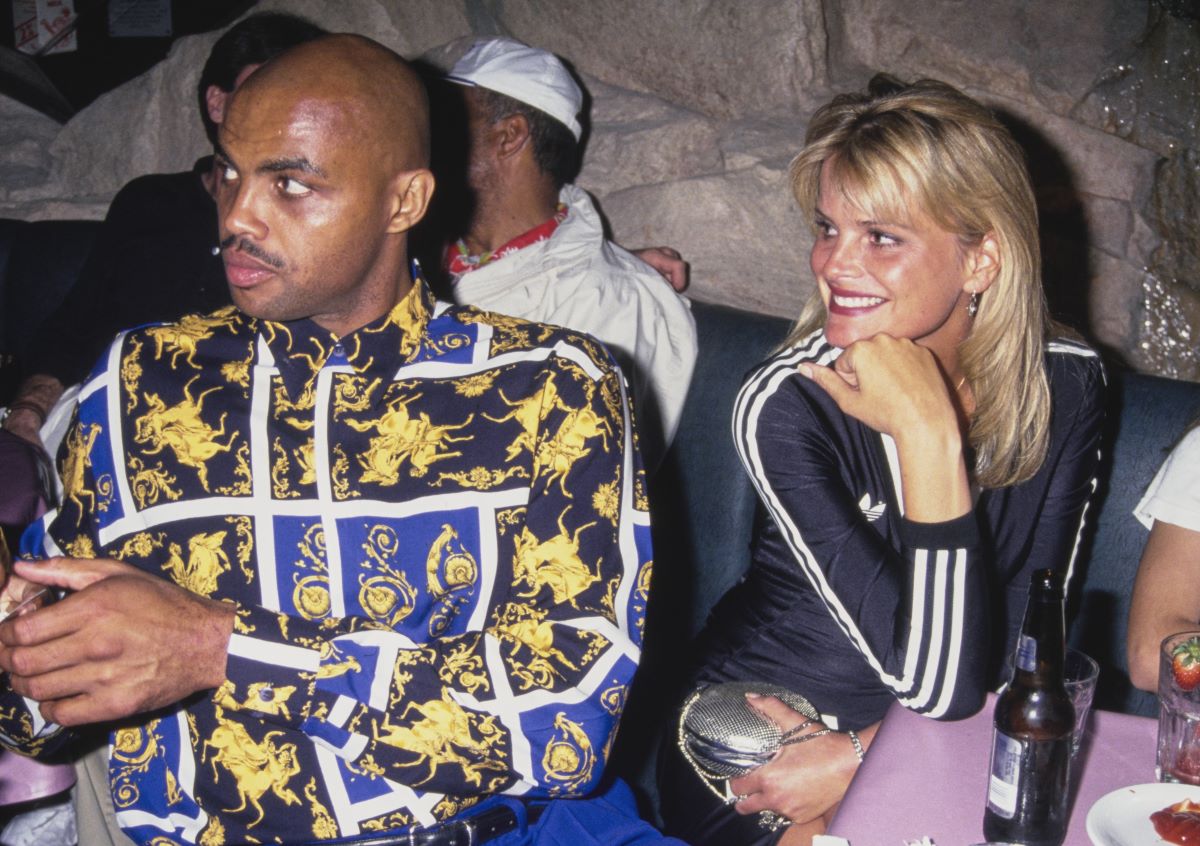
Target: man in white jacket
534	245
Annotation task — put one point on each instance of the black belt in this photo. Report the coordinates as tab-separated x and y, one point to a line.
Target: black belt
468	831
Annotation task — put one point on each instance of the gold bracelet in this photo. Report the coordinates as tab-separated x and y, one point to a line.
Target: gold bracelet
858	747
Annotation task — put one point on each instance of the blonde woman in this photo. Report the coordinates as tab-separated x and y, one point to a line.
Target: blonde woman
921	442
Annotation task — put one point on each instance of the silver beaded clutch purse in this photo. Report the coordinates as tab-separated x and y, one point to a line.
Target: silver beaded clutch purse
723	737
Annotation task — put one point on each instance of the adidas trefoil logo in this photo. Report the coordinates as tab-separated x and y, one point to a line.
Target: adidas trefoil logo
871	512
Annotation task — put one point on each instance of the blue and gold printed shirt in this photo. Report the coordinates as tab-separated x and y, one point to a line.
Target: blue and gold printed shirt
436	535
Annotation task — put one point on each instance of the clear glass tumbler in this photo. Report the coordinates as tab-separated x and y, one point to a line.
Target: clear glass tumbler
1178	713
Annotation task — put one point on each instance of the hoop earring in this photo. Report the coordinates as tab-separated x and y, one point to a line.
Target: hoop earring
973	305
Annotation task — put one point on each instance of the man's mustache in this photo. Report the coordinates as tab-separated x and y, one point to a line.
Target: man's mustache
253	250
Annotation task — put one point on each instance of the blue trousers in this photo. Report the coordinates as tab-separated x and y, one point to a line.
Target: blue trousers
605	819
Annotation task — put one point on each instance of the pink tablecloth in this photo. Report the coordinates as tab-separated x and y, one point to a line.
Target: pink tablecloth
928	778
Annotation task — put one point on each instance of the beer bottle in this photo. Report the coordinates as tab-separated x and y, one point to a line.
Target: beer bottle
1031	734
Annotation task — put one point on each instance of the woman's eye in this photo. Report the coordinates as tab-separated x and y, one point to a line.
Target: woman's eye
882	239
824	229
228	174
293	188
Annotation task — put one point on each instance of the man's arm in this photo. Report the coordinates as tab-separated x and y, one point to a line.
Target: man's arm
1166	598
29	410
124	643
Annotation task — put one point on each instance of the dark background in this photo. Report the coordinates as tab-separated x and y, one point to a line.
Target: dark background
101	62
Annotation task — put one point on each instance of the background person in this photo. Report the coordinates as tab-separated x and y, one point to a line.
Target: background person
923	440
534	244
1166	592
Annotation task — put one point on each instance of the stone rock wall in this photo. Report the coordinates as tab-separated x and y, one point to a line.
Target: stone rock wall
699	105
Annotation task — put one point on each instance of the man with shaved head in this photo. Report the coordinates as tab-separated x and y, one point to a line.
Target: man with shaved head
344	563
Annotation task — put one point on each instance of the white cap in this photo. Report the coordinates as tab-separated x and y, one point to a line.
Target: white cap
531	76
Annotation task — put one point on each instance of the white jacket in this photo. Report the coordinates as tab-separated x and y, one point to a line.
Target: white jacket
579	280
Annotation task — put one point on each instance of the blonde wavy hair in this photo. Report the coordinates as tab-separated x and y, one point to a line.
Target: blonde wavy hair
928	149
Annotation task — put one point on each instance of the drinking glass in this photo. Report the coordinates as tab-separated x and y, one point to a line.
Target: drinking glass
1178	719
1080	673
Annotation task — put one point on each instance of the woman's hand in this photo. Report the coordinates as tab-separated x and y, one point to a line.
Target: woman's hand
891	384
897	387
805	780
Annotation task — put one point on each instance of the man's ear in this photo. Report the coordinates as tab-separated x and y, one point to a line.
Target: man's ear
411	193
215	100
982	264
512	134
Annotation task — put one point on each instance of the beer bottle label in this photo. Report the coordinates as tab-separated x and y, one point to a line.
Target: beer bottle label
1026	653
1005	781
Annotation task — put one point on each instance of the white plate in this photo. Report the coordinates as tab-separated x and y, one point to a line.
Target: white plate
1122	818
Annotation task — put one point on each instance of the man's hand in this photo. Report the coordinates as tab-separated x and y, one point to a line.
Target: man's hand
668	262
124	643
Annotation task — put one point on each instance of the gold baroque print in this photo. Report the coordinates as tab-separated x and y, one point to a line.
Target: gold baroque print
134	749
207	560
529	413
353	394
475	385
280	469
387	597
553	563
641	594
131	372
401	437
613	698
557	455
508	333
243	527
444	727
450	576
241	471
213	834
149	483
264	698
606	501
525	627
508	518
282	404
480	478
569	759
310	594
181	339
237	373
323	826
340	473
449	806
333	664
255	767
452	341
305	458
80	441
141	545
81	547
181	428
104	488
610	394
463	668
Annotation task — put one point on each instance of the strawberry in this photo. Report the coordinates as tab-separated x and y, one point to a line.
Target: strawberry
1185	663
